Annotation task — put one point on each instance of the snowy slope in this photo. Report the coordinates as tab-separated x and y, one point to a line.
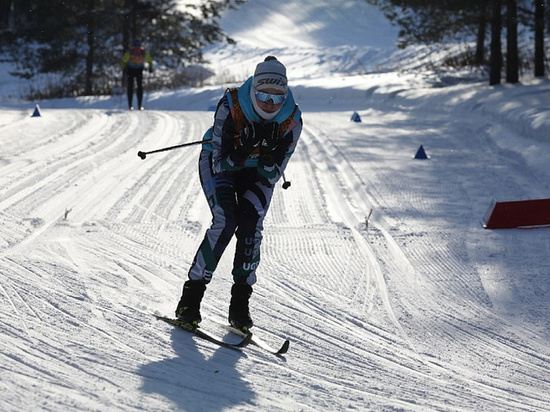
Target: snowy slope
306	35
419	308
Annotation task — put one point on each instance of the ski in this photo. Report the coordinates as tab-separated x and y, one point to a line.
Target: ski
255	340
205	335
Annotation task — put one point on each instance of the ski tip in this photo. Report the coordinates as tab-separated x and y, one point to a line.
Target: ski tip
284	348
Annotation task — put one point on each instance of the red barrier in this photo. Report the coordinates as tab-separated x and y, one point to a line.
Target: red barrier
517	214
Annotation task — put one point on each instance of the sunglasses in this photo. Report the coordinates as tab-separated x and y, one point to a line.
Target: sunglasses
266	97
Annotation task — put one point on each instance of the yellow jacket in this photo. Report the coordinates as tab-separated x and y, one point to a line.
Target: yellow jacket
135	58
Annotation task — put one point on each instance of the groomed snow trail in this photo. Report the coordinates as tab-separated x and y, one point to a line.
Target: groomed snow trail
383	313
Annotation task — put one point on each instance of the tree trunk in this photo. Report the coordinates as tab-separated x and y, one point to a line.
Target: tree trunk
5	13
496	46
539	38
512	59
90	28
134	20
480	44
126	25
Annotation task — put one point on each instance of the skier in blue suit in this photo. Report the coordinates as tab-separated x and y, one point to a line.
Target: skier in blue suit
255	132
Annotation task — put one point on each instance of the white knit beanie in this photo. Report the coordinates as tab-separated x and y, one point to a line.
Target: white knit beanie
270	74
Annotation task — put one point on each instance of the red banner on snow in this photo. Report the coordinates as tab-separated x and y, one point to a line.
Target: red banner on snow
517	214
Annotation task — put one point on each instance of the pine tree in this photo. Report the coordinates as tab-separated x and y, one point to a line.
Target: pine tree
83	42
432	21
438	21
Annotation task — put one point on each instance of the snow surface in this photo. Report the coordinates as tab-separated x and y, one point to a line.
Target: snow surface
414	307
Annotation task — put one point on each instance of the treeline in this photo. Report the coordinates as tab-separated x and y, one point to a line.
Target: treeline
82	41
487	21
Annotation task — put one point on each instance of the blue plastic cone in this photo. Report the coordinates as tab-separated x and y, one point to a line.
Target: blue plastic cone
355	117
421	153
36	112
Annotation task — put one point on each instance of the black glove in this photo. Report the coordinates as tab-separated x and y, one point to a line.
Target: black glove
249	137
270	142
248	141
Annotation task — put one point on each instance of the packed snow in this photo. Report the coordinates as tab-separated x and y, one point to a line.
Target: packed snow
375	265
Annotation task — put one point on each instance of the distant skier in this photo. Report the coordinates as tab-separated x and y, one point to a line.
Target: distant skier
256	129
133	63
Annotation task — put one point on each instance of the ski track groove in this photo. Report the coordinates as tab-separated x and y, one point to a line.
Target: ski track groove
325	153
56	307
16	311
74	161
405	260
142	229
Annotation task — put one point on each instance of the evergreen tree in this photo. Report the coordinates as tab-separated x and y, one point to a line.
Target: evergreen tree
432	21
83	42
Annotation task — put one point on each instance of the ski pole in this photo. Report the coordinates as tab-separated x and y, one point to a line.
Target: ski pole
286	183
142	155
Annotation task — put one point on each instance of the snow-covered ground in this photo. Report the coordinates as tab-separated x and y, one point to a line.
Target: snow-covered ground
416	308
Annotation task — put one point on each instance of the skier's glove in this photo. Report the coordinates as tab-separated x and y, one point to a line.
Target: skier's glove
248	141
270	143
249	138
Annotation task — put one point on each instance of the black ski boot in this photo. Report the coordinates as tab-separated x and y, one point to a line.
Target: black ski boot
188	309
239	314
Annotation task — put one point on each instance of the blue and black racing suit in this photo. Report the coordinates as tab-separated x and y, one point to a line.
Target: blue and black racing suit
239	191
